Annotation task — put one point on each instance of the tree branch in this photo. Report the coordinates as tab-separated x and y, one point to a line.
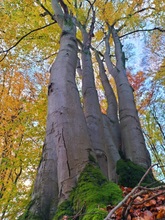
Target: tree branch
37	29
92	26
143	177
111	67
132	195
120	203
53	54
59	14
132	14
143	30
91	7
141	10
45	9
119	54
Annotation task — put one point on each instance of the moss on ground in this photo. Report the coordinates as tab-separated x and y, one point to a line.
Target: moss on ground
130	174
92	193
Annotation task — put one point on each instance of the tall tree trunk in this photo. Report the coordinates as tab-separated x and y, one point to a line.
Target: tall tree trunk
91	104
112	110
45	193
68	121
132	137
67	147
111	150
112	136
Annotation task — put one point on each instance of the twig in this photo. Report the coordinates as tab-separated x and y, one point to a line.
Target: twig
129	196
78	213
120	204
53	54
143	191
148	199
45	9
143	177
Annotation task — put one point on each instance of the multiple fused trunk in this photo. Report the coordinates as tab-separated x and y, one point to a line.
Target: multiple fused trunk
112	135
91	106
75	131
68	146
133	144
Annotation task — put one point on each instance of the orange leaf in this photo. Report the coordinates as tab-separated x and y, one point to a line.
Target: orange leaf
161	212
148	215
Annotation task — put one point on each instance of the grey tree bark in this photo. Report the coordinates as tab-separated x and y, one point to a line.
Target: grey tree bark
45	193
112	151
67	146
91	105
70	130
73	134
112	136
112	110
134	147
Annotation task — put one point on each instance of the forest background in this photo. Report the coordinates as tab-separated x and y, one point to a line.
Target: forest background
29	43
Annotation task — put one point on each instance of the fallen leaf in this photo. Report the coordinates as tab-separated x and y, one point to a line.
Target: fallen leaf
147	215
161	212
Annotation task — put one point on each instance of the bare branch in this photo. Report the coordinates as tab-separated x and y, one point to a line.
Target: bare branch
132	14
119	54
157	122
143	30
143	9
45	9
92	26
78	213
64	7
91	7
120	204
51	55
146	173
148	199
111	67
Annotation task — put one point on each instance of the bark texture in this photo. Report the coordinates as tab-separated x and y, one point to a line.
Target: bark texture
74	133
45	194
112	110
70	130
111	150
134	147
67	146
91	104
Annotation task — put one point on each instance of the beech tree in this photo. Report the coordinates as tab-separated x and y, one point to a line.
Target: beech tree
77	132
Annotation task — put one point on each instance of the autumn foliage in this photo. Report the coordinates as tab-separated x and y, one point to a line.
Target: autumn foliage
144	204
22	107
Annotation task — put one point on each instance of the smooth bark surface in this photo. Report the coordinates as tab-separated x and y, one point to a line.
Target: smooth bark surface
91	105
45	194
70	130
134	147
112	110
111	150
67	147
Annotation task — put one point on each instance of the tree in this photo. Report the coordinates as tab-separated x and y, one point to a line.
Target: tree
22	107
77	132
150	105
